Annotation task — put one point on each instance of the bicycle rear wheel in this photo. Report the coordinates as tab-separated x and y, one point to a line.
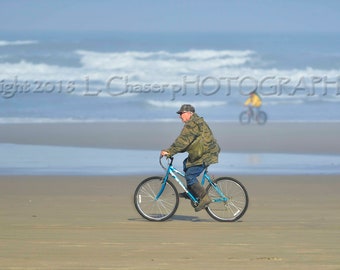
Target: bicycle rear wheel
261	118
244	118
234	202
154	209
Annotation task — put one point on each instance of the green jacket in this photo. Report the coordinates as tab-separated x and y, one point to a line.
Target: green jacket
192	129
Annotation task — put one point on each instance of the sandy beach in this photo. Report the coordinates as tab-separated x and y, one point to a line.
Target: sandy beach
89	222
89	95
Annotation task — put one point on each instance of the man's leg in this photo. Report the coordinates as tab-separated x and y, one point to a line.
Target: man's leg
191	175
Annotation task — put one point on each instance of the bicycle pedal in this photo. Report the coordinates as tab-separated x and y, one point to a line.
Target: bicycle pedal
183	195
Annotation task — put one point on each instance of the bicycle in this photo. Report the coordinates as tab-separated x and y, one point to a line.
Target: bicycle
156	198
246	116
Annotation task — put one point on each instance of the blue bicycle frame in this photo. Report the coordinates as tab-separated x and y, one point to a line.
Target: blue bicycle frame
171	170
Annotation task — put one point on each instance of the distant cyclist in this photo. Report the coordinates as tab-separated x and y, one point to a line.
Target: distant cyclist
254	102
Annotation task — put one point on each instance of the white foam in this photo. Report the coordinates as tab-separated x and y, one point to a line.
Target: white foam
17	42
160	67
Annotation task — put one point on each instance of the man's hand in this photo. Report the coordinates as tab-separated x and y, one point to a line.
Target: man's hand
164	153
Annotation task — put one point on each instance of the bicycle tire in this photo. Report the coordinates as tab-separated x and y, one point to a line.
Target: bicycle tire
244	118
156	210
236	204
261	118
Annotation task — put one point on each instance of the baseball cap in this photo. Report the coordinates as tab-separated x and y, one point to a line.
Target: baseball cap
186	108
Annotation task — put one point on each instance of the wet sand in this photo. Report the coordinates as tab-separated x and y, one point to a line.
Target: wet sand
272	138
62	222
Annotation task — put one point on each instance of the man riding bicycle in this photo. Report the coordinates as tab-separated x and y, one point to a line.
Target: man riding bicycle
197	139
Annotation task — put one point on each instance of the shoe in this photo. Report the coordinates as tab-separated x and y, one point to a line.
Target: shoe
204	202
200	192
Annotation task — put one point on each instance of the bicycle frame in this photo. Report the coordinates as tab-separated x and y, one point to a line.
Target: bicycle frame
251	113
171	170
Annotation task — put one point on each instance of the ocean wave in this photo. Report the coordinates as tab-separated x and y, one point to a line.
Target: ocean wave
108	60
208	67
17	42
163	66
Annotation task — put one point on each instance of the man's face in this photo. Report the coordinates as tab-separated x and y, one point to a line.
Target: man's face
185	116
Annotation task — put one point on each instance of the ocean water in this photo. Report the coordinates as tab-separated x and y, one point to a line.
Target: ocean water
63	77
87	77
58	160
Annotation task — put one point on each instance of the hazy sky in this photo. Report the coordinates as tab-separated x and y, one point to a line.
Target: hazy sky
171	15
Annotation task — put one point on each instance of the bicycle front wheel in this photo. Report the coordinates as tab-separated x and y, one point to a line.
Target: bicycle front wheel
244	118
230	199
149	206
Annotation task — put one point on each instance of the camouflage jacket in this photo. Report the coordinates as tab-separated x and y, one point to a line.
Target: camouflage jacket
192	129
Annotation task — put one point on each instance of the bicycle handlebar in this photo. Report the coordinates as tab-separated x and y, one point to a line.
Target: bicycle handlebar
168	158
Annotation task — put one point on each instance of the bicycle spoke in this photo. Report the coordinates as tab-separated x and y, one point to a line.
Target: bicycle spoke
153	204
156	198
232	205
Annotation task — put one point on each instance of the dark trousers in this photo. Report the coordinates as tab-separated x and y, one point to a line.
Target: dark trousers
192	173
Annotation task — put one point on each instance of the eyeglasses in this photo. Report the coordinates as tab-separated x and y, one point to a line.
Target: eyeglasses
181	113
